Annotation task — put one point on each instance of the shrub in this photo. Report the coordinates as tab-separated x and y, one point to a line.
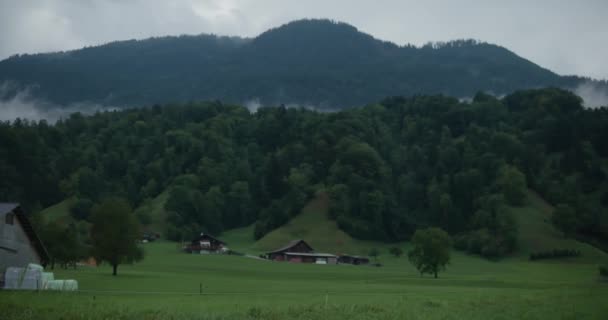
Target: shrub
396	251
604	271
461	242
81	209
554	254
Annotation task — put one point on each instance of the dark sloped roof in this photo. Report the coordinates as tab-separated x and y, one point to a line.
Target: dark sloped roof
27	228
204	235
290	245
7	207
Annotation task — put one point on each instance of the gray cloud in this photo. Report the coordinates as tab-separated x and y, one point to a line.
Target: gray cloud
564	36
594	95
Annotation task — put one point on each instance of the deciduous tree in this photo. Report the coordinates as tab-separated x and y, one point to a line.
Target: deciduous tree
115	233
431	252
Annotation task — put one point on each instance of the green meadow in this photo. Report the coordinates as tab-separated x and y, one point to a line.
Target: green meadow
169	284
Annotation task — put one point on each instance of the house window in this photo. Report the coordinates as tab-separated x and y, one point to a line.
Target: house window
9	218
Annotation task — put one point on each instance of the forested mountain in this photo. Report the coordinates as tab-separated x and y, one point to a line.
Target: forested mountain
388	168
316	63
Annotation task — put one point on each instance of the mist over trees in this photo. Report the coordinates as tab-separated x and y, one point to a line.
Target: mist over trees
389	168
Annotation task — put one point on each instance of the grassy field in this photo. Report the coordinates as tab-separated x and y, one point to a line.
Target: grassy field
169	284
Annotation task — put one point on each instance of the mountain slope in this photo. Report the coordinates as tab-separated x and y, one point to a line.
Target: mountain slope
306	62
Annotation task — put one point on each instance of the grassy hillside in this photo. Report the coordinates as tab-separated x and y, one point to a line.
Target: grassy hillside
537	233
240	239
153	213
314	226
58	212
166	285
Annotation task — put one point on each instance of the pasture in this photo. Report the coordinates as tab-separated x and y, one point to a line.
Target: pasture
167	285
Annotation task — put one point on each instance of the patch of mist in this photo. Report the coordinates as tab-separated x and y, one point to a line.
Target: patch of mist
21	104
593	94
254	104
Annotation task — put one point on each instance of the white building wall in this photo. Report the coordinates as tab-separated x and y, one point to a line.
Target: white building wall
16	249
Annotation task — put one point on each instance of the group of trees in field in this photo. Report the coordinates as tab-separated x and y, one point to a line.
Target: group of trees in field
389	168
112	235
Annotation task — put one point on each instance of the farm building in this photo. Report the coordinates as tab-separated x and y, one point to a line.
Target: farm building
301	252
19	243
206	243
318	258
356	260
299	246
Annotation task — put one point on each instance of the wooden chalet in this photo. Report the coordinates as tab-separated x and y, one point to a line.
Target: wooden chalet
298	251
206	243
356	260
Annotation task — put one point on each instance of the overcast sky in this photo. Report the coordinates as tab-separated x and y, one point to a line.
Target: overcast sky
568	37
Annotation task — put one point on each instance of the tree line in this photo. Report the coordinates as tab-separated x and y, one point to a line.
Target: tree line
389	168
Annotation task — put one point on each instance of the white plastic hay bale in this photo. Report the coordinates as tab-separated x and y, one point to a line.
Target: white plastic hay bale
12	277
33	266
56	285
31	279
45	278
70	285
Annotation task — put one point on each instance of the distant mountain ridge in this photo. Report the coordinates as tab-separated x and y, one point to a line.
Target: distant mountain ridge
317	63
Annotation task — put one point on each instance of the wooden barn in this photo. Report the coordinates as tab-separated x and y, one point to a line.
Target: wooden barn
298	251
356	260
206	243
19	243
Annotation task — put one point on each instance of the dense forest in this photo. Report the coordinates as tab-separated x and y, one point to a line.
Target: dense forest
389	168
315	63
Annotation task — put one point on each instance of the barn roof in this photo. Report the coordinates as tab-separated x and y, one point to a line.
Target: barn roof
290	245
204	235
7	207
27	228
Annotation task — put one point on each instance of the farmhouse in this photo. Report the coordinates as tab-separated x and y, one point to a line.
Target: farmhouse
299	251
206	243
19	243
